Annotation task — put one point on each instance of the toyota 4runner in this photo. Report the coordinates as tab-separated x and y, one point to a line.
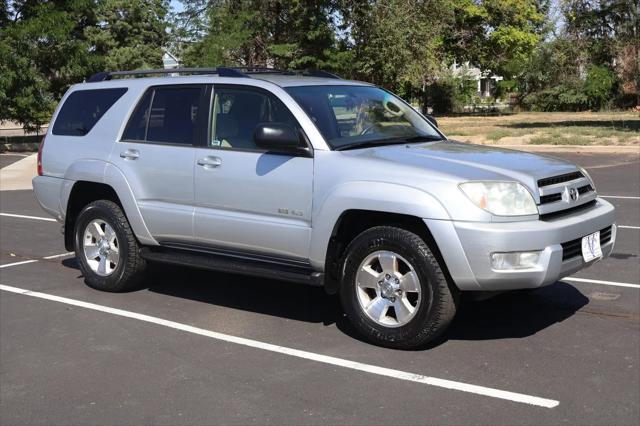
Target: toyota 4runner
305	177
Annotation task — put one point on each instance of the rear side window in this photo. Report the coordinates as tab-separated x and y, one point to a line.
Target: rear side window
166	115
83	109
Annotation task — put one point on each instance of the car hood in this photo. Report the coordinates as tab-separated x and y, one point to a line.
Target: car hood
462	161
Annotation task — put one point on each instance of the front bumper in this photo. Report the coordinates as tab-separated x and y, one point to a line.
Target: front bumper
466	248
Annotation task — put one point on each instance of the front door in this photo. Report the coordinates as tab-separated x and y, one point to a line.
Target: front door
157	156
247	199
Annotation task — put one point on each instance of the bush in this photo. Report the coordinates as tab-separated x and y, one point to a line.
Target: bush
595	93
599	85
559	98
451	94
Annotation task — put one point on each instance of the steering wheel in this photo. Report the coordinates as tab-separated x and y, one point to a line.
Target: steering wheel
367	130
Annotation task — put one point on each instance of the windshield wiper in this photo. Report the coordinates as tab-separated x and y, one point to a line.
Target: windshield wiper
424	138
390	141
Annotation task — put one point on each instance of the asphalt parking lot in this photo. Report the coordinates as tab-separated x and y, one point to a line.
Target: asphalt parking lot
196	347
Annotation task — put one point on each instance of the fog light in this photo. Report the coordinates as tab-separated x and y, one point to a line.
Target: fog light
514	260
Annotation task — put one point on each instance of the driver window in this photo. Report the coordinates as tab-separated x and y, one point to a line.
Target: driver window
236	112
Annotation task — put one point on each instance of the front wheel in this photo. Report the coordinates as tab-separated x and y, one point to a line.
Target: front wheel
106	248
394	290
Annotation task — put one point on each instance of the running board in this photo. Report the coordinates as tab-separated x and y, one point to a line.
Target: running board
258	266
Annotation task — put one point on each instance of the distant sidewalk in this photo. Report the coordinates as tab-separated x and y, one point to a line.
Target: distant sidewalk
18	175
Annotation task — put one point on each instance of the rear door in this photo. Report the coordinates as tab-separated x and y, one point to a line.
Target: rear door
248	199
157	156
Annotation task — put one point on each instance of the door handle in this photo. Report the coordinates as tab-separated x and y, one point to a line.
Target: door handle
130	154
209	162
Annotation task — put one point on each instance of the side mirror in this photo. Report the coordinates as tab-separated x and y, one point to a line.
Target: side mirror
278	137
432	119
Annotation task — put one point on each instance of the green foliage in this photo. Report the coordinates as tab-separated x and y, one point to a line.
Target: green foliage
129	34
403	45
557	98
451	93
599	85
45	46
294	34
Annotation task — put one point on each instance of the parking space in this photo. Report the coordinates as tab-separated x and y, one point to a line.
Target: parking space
194	347
8	158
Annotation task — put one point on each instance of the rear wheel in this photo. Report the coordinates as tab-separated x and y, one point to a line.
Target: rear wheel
106	248
393	290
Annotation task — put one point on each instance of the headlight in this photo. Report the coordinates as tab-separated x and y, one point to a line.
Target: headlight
588	176
500	198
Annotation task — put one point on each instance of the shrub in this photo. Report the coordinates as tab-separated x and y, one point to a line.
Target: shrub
451	94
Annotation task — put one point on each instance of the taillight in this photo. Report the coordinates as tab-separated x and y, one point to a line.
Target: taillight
40	157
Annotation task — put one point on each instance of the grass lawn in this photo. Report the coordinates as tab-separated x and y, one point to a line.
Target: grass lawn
546	128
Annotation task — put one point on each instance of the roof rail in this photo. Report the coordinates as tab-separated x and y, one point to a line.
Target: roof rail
220	71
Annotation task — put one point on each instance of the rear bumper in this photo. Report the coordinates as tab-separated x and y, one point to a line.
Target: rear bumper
48	190
466	248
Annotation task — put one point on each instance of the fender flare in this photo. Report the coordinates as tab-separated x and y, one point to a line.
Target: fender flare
97	171
390	198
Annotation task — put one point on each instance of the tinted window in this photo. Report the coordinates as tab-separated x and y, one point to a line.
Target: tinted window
173	116
237	111
137	126
82	110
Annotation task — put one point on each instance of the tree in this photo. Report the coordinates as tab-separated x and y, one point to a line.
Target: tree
41	54
607	33
45	46
285	34
129	34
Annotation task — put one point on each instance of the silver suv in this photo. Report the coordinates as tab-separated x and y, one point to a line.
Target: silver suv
309	178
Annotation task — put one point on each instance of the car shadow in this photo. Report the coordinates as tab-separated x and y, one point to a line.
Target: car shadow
515	314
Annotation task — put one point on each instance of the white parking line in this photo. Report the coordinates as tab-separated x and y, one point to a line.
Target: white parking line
622	197
325	359
8	265
21	216
55	256
612	283
628	227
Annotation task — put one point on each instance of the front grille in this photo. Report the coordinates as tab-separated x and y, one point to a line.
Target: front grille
561	213
573	248
584	189
560	178
551	198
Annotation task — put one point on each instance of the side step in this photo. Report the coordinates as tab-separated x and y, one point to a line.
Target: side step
246	264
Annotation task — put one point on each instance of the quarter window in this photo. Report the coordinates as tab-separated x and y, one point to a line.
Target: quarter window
83	109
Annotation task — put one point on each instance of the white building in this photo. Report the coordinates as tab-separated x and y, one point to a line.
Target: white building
170	61
486	79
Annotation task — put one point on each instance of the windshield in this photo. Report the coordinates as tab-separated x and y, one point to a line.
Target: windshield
357	116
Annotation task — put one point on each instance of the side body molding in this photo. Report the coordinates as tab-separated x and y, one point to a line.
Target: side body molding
107	173
390	198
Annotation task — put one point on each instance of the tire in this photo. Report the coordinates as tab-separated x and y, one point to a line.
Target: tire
122	267
371	280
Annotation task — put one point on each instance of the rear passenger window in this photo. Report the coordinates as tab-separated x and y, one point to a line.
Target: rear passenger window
82	110
166	115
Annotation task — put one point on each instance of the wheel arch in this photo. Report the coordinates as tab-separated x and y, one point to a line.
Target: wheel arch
83	188
351	208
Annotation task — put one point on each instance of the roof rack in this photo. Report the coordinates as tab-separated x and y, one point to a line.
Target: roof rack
220	71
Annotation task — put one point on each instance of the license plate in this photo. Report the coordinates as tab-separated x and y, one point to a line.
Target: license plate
591	247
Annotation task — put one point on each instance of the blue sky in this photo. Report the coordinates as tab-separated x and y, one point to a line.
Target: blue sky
176	5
